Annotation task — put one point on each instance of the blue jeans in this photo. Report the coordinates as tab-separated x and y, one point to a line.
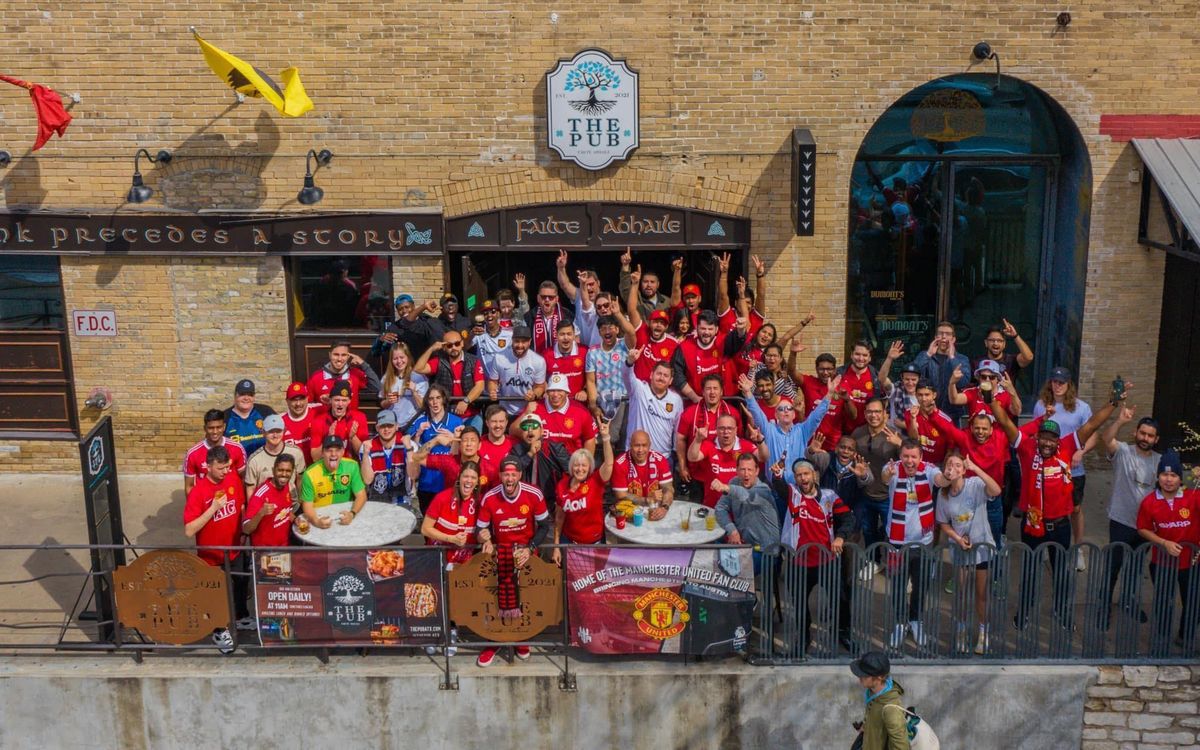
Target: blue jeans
871	516
996	518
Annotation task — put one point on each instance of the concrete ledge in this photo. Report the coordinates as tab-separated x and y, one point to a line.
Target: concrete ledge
392	701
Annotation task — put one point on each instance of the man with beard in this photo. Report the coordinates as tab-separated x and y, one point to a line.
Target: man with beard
268	518
878	444
649	336
784	437
919	422
655	407
703	414
342	367
643	476
458	372
605	378
543	320
706	353
568	358
1134	471
747	509
645	286
714	462
938	363
994	343
988	450
452	318
519	375
542	462
590	303
814	389
492	340
565	420
1047	492
993	382
341	419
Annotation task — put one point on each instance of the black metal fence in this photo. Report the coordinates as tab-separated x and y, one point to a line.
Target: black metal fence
944	603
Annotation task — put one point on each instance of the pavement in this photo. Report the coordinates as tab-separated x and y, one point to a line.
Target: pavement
38	585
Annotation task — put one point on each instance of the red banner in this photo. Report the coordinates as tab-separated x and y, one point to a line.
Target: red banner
655	600
315	597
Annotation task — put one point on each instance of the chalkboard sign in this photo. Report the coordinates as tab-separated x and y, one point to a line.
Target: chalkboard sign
102	502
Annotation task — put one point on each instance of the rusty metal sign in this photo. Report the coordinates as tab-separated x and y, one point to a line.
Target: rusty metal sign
171	596
473	599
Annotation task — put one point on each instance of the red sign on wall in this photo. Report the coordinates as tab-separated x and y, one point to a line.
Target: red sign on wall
94	322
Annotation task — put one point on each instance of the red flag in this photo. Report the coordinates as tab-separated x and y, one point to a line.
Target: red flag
51	116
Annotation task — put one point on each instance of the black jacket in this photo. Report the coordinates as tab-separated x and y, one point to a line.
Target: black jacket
552	462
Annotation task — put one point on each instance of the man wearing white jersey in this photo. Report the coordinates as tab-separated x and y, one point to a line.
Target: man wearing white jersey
653	407
518	375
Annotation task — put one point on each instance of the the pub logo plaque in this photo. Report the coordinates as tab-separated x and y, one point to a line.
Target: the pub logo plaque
349	598
592	109
171	596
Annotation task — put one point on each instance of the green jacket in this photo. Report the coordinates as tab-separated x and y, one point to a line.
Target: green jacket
886	730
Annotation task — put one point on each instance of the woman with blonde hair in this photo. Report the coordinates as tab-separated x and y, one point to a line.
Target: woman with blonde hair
403	391
962	514
579	517
1070	413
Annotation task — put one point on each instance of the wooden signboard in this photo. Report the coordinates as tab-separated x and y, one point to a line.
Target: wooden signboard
171	596
473	599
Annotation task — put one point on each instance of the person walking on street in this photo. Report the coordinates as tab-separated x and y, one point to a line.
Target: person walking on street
880	729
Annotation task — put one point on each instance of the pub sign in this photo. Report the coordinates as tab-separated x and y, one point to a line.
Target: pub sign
592	109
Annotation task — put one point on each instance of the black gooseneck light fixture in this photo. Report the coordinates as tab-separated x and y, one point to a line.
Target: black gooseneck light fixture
311	194
5	158
983	51
139	192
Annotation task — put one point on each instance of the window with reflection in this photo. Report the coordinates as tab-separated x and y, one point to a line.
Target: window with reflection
336	292
31	295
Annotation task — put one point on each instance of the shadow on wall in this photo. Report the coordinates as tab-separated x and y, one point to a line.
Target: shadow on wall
209	173
22	182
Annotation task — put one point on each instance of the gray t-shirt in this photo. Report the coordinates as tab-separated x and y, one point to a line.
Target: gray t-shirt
1134	476
966	513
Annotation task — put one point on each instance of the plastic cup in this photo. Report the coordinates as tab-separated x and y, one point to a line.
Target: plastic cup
638	517
710	521
620	521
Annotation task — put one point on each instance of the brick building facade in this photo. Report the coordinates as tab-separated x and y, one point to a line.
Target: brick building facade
442	108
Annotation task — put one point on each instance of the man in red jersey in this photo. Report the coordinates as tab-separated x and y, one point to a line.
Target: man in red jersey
466	443
495	445
342	367
919	423
298	418
211	515
705	353
1167	518
649	336
714	462
568	358
988	450
565	421
703	414
643	476
814	389
341	419
990	377
268	518
1047	492
512	523
195	461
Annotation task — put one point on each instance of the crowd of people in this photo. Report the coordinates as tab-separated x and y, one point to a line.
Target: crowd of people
522	425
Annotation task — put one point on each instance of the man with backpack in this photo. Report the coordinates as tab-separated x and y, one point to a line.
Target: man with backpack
887	724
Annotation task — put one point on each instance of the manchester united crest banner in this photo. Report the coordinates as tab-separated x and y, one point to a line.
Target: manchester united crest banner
659	600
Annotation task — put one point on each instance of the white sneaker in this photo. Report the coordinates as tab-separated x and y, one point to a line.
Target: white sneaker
223	640
1080	560
918	633
981	644
868	571
898	635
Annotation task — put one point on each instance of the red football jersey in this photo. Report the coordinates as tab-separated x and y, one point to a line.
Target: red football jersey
456	378
975	404
273	530
320	383
637	479
449	466
934	441
810	521
571	426
718	464
571	365
195	463
727	321
450	516
512	520
652	352
859	387
583	509
1046	486
490	456
295	431
353	422
699	415
1173	520
700	361
224	529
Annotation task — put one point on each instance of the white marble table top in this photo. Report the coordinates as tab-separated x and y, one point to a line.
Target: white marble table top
666	532
377	525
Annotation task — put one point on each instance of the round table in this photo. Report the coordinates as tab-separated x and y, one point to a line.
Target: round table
377	525
666	532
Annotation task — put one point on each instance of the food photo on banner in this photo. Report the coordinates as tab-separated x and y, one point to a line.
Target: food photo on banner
626	600
386	597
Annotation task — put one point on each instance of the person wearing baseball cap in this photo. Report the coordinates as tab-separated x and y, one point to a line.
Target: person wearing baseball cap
904	396
1169	519
1070	412
298	418
384	463
517	375
1045	451
989	378
341	419
543	460
881	729
260	467
244	420
333	480
566	421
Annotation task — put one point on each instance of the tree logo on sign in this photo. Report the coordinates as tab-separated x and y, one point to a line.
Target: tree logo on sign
593	76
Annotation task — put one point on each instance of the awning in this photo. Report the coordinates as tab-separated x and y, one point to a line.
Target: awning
1174	166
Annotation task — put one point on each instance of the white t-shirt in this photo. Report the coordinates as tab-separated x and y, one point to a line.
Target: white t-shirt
516	376
659	417
488	347
966	513
585	322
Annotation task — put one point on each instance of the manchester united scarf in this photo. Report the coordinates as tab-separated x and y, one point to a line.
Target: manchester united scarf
911	490
48	106
507	599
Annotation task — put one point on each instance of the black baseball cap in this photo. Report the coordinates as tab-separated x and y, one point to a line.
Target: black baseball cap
871	664
1061	374
341	388
244	387
910	367
333	441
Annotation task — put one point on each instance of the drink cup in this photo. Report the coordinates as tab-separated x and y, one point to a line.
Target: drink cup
638	517
710	521
620	521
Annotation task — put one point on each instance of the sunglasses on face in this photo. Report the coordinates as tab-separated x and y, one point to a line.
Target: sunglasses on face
547	297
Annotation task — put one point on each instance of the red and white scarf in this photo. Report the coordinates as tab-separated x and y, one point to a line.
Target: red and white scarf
545	328
918	486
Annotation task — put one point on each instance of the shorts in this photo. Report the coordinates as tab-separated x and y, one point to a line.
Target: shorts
1077	484
983	565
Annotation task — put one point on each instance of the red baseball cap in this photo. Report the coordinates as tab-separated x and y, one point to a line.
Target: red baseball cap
296	390
691	289
660	315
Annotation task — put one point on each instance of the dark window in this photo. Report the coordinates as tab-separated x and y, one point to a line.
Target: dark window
342	292
30	293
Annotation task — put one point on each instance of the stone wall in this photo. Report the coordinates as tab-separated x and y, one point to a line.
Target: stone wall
1143	708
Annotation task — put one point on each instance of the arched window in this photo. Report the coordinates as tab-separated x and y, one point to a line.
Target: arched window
969	202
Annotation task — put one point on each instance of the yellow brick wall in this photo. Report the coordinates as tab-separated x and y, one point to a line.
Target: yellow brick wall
442	105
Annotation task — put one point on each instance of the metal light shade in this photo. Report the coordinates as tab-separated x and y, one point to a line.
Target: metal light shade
139	193
310	193
5	158
982	51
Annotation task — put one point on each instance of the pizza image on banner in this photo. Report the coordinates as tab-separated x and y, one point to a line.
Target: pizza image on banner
670	601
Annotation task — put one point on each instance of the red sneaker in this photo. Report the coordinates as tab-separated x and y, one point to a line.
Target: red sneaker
486	657
523	653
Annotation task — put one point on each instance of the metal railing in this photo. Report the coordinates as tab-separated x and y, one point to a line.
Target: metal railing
1028	604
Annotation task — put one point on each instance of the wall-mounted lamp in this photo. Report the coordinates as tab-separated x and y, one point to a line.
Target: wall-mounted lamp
139	193
983	51
5	158
310	193
1063	20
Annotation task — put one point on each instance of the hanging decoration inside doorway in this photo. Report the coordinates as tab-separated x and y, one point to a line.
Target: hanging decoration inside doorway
947	116
247	80
47	104
592	109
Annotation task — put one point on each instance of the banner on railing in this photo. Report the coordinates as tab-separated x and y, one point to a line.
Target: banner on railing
314	597
626	600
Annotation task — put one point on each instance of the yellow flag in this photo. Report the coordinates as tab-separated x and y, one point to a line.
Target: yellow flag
246	79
